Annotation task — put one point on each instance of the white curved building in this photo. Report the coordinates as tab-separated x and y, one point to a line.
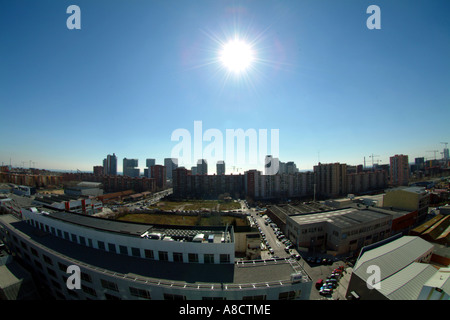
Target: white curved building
122	260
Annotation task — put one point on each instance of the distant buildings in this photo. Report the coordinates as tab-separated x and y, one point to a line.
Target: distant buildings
187	185
98	170
110	165
170	164
147	171
271	166
129	168
399	170
220	167
202	166
158	173
327	180
330	179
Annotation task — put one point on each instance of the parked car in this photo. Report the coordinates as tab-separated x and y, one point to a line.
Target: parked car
318	260
319	284
325	291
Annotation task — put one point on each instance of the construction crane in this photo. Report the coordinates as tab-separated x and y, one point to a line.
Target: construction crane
435	151
372	156
444	153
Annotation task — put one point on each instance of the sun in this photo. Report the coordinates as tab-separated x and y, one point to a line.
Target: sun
237	56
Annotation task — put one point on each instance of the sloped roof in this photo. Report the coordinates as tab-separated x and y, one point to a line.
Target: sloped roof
408	282
392	257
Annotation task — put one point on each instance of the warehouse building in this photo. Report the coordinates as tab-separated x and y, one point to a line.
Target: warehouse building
342	231
402	267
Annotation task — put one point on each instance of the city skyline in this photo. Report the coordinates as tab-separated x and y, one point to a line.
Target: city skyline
133	74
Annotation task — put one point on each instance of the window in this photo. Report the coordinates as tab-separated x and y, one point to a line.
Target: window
168	296
82	240
34	252
290	295
177	257
86	277
136	252
38	264
47	259
149	254
112	247
51	272
111	297
193	257
62	267
140	293
123	250
59	232
109	285
23	244
101	245
74	237
209	258
66	235
88	290
224	258
163	256
262	297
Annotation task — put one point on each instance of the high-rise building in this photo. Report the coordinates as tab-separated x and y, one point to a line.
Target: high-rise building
399	170
420	163
150	162
129	168
158	172
331	179
110	165
220	167
202	166
147	171
170	164
98	170
445	153
271	166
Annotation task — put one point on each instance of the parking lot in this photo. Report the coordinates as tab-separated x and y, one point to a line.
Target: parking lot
332	272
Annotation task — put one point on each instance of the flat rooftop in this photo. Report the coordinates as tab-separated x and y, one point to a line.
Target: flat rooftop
343	218
132	228
259	273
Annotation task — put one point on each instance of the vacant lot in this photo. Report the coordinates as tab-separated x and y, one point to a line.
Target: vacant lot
194	205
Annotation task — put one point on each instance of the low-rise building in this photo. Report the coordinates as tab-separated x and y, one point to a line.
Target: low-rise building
342	231
410	198
392	270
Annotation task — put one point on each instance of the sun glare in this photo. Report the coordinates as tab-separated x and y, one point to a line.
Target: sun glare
237	56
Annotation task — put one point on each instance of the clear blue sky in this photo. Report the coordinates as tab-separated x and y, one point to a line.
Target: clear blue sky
138	70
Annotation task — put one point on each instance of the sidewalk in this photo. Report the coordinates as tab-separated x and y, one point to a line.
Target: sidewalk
341	290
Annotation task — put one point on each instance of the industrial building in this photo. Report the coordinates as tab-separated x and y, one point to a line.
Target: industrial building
403	272
342	231
409	198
